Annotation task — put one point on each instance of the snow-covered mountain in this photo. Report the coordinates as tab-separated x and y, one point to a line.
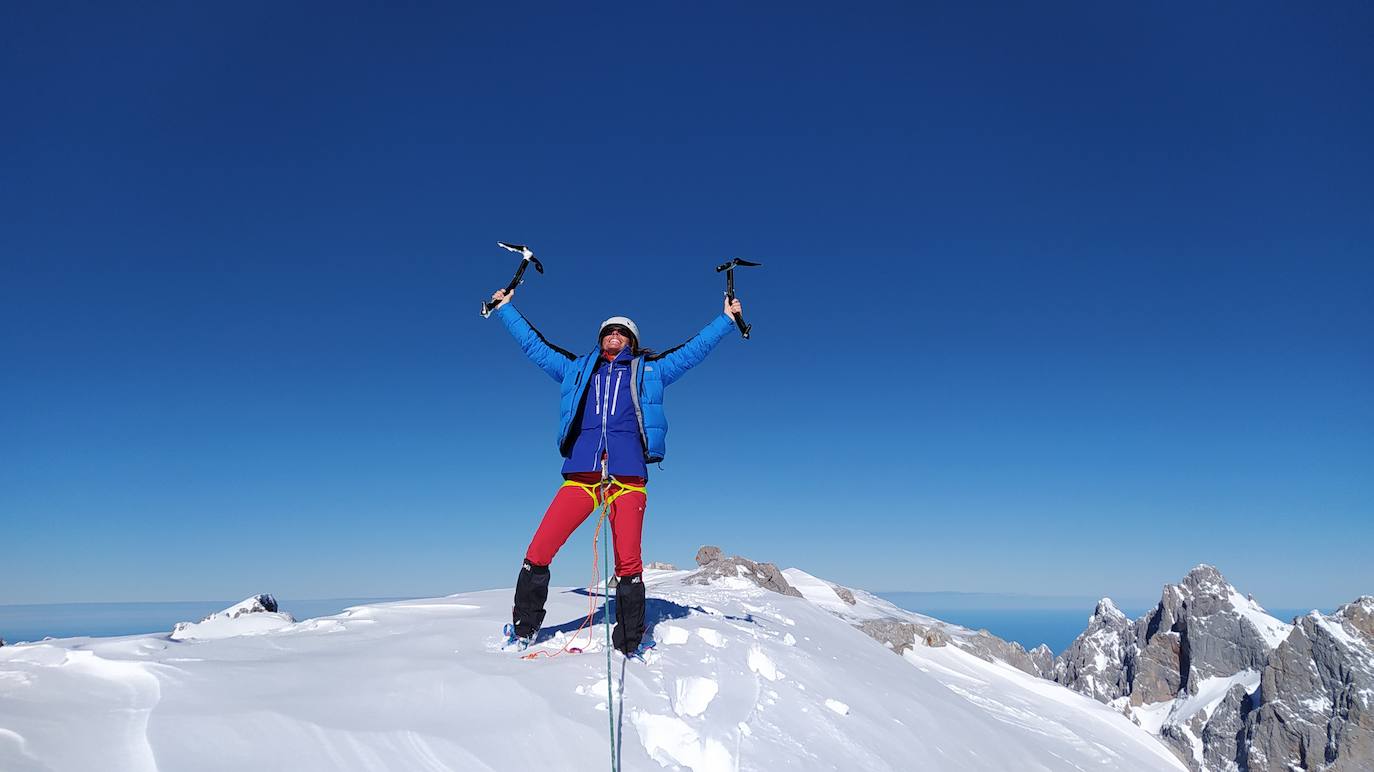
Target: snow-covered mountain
743	678
1230	688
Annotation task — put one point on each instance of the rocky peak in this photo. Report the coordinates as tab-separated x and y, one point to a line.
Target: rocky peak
1359	614
1206	580
1107	613
1096	663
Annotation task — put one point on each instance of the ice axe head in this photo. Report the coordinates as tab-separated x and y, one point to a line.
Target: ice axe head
731	265
729	269
490	305
524	252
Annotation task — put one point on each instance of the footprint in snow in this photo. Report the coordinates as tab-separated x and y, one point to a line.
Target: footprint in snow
693	694
761	664
671	635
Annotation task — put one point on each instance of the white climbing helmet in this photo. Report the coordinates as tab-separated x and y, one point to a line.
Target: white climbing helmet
623	321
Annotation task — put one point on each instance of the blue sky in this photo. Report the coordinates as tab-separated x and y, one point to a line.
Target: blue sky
1057	301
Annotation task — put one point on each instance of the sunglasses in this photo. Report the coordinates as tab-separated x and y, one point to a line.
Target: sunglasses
615	330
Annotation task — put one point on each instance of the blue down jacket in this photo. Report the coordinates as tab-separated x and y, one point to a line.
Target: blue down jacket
649	376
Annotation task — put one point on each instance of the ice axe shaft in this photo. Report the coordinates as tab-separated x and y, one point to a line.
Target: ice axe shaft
528	257
729	269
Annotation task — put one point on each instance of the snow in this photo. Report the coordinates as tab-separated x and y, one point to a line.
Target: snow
424	685
1272	630
1337	631
1181	710
693	694
1321	706
818	591
243	618
671	635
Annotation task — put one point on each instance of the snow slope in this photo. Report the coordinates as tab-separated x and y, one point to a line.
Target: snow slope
743	679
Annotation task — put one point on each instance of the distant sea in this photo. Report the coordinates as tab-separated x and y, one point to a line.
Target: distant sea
1054	627
34	622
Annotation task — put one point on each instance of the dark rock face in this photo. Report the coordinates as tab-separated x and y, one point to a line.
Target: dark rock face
1223	737
765	575
1158	670
1316	697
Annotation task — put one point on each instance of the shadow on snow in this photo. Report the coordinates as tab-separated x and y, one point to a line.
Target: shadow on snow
655	610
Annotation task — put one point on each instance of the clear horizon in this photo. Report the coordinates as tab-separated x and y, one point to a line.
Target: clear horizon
1055	626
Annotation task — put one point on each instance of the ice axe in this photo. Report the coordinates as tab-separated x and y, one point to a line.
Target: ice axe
489	305
729	269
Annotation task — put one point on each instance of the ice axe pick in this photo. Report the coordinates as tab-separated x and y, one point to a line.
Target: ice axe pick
489	305
729	269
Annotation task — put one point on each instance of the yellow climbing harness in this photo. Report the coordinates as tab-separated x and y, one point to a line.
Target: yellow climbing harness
591	489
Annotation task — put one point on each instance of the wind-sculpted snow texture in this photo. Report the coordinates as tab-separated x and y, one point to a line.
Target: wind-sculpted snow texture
742	679
1230	688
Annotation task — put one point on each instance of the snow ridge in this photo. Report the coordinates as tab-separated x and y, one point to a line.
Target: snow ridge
743	678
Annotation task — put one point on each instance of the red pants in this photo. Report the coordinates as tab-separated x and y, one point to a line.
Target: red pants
571	506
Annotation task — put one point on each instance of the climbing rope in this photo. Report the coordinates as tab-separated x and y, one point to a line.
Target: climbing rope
601	574
606	617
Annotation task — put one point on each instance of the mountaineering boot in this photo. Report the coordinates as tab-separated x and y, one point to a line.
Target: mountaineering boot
641	651
531	591
513	641
629	614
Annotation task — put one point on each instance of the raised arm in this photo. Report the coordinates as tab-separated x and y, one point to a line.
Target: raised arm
678	360
550	358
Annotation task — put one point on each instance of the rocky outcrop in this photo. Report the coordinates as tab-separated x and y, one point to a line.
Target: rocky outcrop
709	554
659	566
256	614
846	594
714	565
1316	696
984	645
900	636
